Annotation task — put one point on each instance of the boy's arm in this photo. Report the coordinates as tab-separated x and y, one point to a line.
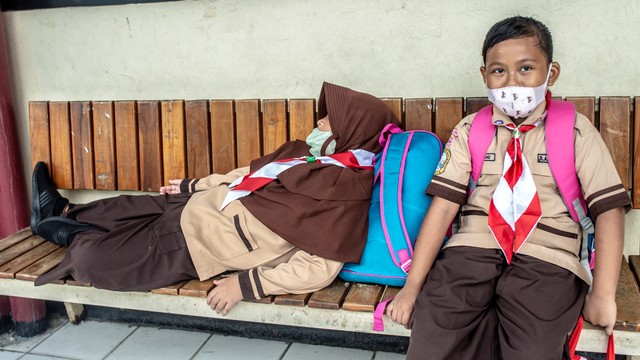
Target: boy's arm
600	305
433	229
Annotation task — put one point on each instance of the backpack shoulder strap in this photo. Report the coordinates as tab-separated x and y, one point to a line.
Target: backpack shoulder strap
392	218
559	134
480	137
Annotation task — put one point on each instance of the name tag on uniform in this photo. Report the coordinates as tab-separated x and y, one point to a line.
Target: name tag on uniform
542	158
489	157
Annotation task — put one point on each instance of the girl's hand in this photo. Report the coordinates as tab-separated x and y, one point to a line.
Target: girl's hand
172	188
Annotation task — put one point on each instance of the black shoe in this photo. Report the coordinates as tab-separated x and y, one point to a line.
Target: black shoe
46	200
60	230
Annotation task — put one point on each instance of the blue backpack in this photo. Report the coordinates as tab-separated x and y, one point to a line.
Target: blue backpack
403	170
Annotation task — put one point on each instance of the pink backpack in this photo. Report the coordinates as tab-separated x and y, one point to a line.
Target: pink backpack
559	134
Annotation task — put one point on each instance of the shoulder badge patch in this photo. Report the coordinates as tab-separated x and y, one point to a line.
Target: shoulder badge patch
444	160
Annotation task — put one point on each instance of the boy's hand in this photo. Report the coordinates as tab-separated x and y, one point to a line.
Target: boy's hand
225	295
600	311
401	307
172	188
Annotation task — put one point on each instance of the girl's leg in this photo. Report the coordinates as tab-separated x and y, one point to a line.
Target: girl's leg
111	213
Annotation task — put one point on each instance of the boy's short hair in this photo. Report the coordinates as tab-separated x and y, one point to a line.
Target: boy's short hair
517	27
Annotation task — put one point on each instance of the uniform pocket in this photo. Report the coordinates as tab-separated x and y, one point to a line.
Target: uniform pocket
236	240
240	224
167	236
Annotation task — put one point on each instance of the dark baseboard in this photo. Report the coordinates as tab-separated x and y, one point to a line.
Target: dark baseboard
18	5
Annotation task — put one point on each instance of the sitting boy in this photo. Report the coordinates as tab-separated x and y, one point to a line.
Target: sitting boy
287	227
513	290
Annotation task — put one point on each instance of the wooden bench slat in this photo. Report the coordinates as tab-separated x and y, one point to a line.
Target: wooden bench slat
150	145
615	131
627	300
248	138
634	265
390	291
292	299
72	282
82	145
636	154
11	268
363	297
418	114
128	174
196	288
223	136
274	124
585	106
198	139
301	118
61	169
448	114
39	133
395	104
171	289
174	157
104	145
474	104
19	248
330	297
42	266
15	238
265	300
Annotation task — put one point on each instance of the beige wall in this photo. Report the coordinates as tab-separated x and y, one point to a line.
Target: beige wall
280	49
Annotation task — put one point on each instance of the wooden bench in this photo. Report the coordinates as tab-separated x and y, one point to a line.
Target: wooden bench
140	145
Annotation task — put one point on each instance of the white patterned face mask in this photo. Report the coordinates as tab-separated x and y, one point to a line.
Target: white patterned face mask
316	139
518	101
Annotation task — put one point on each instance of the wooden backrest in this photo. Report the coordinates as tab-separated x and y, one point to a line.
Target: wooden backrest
140	145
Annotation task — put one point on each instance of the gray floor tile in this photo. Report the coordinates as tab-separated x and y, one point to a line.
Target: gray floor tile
87	341
153	343
389	356
41	357
222	347
9	341
9	355
319	352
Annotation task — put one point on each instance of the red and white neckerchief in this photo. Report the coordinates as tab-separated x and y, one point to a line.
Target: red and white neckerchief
514	210
354	159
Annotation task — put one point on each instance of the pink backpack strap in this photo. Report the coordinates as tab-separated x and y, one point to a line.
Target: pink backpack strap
378	323
480	137
561	156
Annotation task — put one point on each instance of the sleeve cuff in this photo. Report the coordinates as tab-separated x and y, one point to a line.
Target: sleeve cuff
250	285
188	185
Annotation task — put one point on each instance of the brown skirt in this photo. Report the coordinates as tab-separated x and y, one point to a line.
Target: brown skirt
474	306
137	245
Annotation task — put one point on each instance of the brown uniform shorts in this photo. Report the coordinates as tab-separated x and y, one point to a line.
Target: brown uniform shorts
475	306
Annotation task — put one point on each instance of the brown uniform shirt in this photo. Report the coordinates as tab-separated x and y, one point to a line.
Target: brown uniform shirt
557	238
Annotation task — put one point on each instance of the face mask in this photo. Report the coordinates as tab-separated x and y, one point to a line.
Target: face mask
316	139
518	101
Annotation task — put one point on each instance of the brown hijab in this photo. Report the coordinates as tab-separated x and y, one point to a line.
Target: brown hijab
319	208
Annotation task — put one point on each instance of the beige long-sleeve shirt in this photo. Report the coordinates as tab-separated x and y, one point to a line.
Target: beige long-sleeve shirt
233	239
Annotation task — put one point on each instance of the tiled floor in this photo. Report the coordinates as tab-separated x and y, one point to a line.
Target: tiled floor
108	340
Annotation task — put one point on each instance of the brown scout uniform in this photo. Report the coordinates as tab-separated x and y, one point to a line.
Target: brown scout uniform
474	306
